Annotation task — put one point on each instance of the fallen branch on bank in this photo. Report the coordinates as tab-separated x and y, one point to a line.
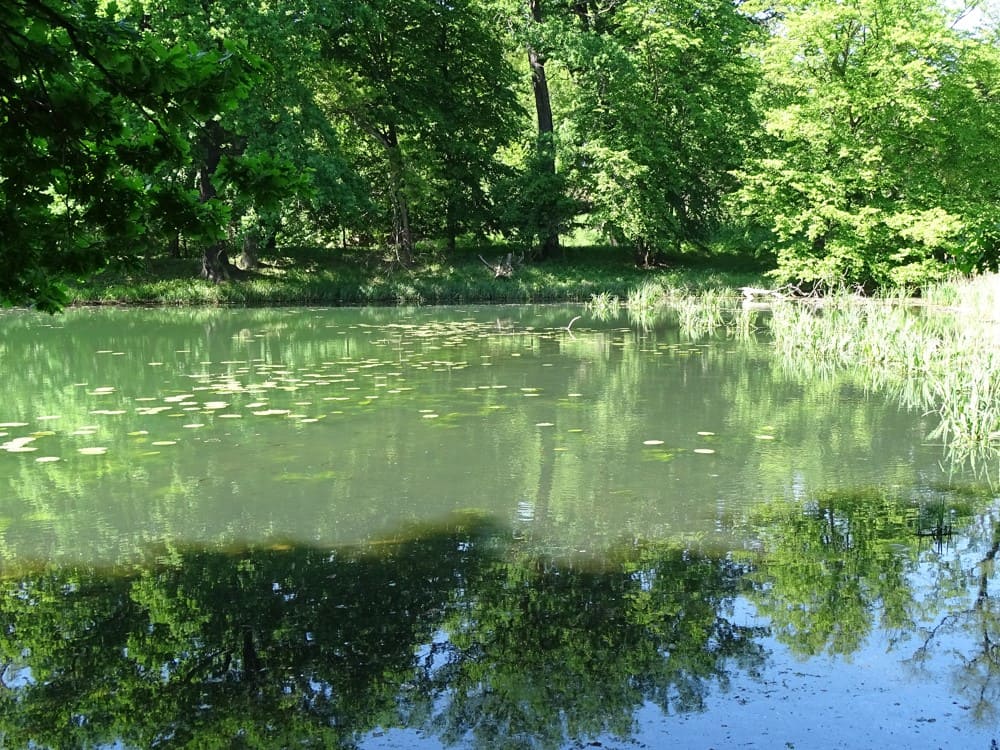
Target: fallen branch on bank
503	268
756	294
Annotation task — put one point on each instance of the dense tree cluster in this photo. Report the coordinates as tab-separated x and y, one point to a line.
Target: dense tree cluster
855	140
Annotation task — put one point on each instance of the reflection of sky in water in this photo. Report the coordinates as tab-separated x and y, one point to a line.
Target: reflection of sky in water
879	696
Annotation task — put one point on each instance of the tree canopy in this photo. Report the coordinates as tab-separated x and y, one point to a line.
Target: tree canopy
853	141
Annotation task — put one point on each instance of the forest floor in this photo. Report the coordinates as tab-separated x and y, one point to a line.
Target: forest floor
306	275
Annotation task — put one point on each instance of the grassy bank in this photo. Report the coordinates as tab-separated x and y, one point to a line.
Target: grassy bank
313	276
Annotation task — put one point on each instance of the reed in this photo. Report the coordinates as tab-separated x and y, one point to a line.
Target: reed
603	305
942	355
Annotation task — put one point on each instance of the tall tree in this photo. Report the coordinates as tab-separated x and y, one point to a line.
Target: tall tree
249	161
535	206
94	107
662	115
881	124
545	155
428	86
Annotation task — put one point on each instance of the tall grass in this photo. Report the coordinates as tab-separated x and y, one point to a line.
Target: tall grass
701	307
942	355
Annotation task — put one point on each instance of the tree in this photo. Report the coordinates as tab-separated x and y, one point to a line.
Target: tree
880	125
94	108
427	85
662	115
544	162
248	163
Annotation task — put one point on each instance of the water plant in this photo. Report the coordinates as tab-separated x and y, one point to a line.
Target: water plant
603	305
944	359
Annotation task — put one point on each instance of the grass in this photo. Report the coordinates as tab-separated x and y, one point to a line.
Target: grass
941	355
310	276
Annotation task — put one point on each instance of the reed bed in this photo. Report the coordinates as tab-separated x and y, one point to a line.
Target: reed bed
941	354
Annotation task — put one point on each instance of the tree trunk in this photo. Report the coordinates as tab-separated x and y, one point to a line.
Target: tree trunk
248	258
451	222
215	265
403	234
546	131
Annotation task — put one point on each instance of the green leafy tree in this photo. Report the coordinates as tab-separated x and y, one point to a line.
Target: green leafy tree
661	115
881	129
252	164
428	87
94	109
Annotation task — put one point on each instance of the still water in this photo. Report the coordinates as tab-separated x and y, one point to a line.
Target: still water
475	528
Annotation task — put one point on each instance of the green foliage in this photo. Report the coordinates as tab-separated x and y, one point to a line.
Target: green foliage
880	121
852	142
429	90
661	115
533	202
95	110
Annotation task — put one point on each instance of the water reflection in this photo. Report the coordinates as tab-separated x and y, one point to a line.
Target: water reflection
464	633
451	630
470	527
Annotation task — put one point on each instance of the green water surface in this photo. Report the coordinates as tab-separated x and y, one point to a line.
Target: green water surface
474	527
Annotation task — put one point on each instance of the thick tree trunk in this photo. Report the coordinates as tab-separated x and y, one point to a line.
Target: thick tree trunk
215	265
546	131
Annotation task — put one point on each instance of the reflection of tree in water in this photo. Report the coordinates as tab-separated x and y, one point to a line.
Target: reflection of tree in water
830	572
283	647
829	569
971	627
549	650
258	648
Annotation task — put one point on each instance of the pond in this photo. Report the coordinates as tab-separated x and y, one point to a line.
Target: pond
475	528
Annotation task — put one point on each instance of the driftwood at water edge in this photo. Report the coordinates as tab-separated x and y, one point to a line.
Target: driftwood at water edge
503	268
